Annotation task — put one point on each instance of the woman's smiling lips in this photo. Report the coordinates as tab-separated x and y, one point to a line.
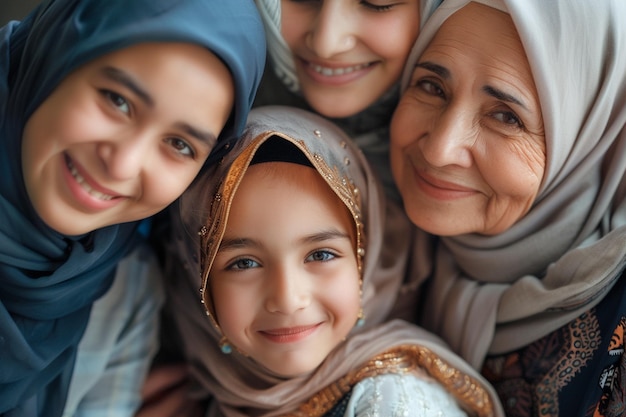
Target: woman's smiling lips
289	334
335	74
86	191
440	189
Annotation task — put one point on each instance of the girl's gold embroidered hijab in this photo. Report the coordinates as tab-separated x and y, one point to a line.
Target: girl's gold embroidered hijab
238	384
205	206
322	154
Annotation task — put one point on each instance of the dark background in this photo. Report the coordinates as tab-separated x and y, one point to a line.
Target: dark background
15	9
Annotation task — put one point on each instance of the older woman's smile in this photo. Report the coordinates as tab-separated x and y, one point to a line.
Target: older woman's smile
440	189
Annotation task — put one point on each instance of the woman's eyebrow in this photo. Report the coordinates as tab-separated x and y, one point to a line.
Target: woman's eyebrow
501	95
441	71
129	82
207	137
122	77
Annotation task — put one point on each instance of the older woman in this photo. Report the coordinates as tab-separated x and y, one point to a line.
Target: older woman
509	145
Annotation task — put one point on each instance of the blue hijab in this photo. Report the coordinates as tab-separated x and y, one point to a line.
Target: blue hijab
49	281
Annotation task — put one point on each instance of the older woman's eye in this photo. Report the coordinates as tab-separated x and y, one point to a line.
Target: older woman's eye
508	118
431	88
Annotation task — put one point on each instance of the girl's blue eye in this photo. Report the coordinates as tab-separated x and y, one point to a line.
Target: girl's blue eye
244	263
181	146
118	101
320	256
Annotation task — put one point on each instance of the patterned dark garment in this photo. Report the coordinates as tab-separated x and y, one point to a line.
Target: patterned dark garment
578	370
339	410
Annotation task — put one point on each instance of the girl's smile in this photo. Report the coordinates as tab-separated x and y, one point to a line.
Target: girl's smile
289	334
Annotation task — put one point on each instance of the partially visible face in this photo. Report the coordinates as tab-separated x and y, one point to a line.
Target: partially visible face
348	53
467	141
123	136
285	282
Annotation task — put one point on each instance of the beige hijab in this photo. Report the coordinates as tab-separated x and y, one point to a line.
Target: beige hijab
493	294
242	387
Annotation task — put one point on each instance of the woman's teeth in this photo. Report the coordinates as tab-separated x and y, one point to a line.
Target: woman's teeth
81	181
329	72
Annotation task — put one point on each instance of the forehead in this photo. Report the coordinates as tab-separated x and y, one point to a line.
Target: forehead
146	53
288	179
480	42
279	174
480	31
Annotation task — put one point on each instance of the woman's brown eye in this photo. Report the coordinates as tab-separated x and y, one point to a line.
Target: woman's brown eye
181	146
508	118
431	88
117	100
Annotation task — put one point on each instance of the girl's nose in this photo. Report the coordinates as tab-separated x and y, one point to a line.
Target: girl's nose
288	293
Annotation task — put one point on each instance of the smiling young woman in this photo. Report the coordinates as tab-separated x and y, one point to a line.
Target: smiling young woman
342	59
108	111
114	143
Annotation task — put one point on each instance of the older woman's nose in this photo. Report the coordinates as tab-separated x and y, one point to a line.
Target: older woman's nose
332	32
450	139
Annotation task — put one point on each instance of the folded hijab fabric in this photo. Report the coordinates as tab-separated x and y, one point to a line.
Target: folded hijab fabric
242	387
48	281
495	294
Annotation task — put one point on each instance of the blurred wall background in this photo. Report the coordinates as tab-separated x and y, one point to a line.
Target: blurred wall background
15	9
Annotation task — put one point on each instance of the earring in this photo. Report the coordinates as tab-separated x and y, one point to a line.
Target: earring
225	347
360	319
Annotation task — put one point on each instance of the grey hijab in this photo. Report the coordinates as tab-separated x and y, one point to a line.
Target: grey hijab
493	294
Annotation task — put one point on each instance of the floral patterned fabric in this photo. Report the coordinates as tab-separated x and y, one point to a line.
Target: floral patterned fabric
577	370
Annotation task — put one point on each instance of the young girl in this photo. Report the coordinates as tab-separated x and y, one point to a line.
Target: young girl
284	242
108	110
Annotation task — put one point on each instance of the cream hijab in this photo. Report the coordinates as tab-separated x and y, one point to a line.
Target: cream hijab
241	386
493	294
